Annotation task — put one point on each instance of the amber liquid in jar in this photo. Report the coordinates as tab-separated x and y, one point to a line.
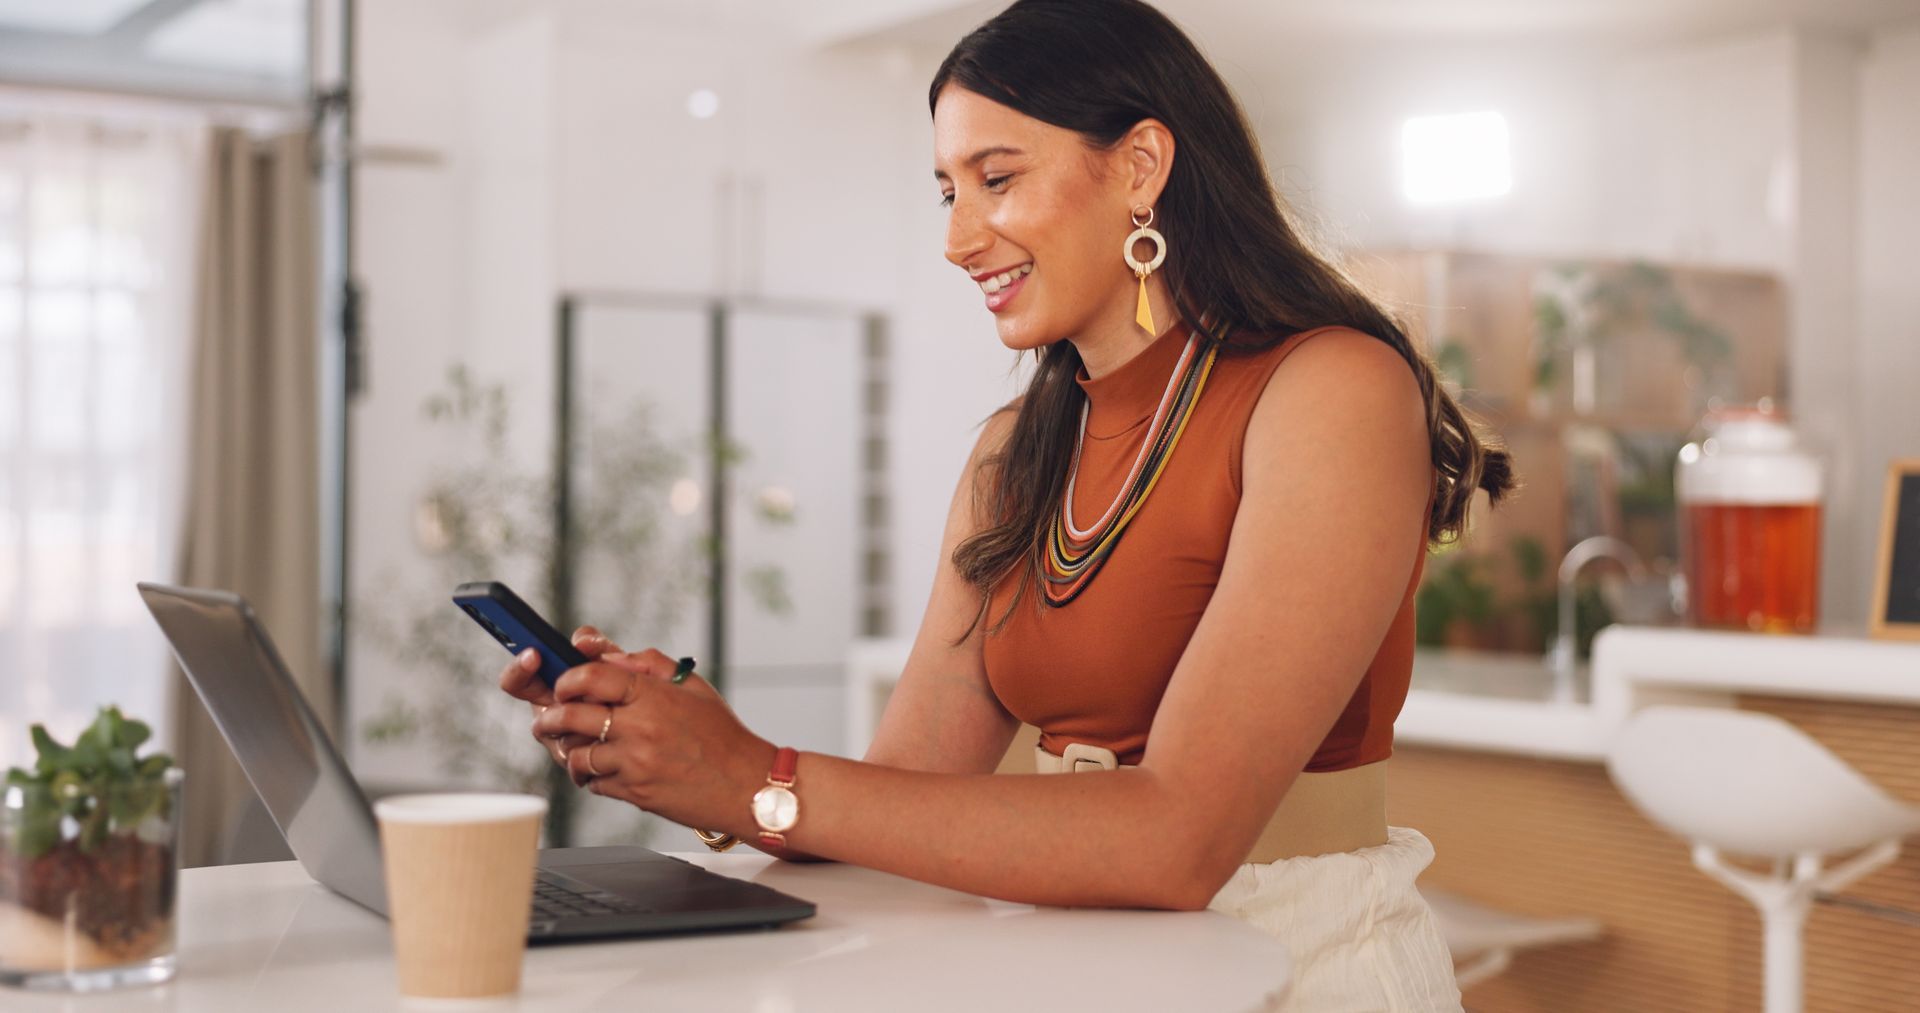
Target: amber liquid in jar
1754	566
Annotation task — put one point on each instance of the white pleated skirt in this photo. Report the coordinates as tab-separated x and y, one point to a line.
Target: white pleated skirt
1361	937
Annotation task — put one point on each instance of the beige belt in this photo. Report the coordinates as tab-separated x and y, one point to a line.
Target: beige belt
1339	810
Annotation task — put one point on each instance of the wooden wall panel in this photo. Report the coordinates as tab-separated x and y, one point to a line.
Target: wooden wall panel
1554	838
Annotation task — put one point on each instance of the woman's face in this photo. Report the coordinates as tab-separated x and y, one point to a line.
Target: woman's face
1036	219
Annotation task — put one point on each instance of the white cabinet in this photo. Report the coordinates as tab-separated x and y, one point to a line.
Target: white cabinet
1697	150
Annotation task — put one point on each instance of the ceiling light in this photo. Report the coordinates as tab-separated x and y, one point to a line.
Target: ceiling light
1450	158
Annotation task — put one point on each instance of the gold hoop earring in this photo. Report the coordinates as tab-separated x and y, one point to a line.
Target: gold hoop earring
1143	312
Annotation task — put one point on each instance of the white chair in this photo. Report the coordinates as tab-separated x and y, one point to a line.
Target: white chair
1483	940
1752	784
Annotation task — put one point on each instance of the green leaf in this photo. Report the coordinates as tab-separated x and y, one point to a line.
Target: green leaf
1531	558
88	754
136	734
1432	614
52	754
126	803
39	825
90	749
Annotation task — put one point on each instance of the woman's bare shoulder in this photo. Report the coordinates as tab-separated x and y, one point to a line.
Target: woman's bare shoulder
1347	389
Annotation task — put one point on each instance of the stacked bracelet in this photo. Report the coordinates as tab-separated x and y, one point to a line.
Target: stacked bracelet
716	841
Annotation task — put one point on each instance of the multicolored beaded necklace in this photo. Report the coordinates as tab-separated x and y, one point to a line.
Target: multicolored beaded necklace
1074	556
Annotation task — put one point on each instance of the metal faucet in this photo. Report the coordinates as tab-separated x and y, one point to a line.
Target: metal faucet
1561	658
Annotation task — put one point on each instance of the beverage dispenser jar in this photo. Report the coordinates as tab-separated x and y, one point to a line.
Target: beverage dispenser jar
1750	501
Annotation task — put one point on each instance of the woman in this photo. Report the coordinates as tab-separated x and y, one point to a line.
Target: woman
1187	553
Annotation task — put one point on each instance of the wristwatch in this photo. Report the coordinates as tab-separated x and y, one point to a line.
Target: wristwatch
776	808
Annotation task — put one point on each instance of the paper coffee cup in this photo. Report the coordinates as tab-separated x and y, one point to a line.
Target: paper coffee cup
459	873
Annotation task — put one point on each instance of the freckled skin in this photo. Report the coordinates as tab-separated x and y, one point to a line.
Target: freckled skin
1060	205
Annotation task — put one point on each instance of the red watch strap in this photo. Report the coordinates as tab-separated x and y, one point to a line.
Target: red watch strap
785	763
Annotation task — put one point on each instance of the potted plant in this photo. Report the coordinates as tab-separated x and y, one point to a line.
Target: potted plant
88	846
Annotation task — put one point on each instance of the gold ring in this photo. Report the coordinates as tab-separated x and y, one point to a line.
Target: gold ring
607	725
591	769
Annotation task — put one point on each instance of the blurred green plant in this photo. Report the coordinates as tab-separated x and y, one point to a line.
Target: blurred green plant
486	520
1587	304
1456	593
1455	364
100	782
1458	602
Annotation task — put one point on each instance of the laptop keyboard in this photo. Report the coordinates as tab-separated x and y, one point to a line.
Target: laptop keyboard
553	901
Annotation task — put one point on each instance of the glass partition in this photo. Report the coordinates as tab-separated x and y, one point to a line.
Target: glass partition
717	502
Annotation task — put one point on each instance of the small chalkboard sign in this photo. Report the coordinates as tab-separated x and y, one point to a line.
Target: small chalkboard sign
1896	596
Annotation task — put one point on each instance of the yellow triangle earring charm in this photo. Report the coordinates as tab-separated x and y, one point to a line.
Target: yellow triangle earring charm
1143	232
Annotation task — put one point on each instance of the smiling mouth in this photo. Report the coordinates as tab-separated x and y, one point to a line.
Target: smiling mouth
1005	278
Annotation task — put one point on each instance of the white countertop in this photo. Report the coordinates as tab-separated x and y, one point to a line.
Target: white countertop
266	937
1502	702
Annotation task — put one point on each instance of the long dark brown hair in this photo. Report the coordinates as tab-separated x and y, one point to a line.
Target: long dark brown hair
1240	274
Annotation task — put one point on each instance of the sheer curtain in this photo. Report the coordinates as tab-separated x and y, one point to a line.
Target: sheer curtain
98	213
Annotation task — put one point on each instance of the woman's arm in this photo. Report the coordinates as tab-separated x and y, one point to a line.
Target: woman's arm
943	716
1336	473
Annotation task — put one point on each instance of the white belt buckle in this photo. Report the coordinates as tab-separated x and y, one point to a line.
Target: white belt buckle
1081	756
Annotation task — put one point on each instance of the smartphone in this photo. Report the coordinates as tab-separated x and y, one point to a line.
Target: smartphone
517	626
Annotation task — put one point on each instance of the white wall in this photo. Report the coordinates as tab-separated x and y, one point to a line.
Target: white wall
1822	392
1886	363
1697	155
1677	155
1334	146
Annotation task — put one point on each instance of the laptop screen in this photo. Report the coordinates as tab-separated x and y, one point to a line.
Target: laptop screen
285	753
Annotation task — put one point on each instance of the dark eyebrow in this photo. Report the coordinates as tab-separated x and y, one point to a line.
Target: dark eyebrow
980	156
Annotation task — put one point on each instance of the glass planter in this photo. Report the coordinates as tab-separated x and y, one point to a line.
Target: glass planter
88	882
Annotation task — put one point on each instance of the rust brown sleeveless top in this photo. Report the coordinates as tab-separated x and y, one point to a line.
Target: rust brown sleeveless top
1094	670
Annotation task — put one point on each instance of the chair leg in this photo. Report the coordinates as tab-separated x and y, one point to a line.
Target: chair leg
1487	965
1784	900
1869	860
1783	926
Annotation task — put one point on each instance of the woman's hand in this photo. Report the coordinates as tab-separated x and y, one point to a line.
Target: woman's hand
672	749
520	679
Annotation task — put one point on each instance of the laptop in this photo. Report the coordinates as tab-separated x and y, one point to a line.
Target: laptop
579	893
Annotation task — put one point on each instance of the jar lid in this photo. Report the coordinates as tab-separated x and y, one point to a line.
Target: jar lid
1750	457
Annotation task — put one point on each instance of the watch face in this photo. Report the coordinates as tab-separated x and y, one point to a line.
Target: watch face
776	809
